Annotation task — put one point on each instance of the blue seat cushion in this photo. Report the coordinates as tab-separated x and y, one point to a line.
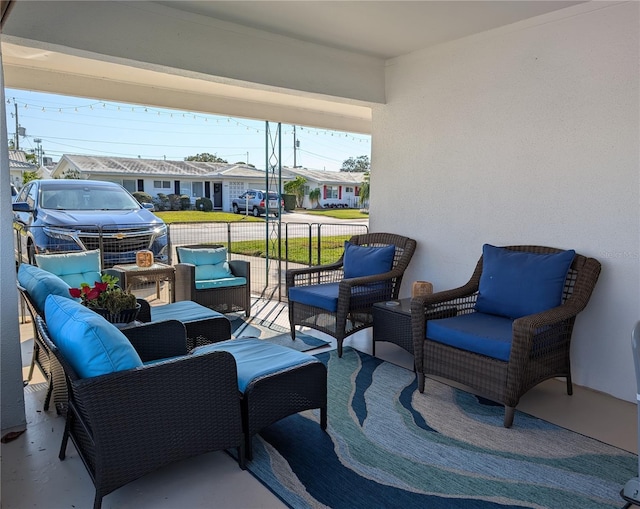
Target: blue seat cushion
40	283
91	344
225	282
256	358
325	296
362	261
73	268
210	263
516	283
186	311
480	333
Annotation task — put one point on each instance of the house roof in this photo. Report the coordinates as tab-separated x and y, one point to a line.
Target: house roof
327	177
154	167
18	161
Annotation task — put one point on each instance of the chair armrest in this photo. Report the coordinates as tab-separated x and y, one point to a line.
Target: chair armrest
185	280
240	268
317	274
158	340
144	315
161	408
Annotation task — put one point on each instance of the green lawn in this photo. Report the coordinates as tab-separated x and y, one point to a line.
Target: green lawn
338	213
332	249
195	216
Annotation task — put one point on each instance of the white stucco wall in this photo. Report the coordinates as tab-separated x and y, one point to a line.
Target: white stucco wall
528	134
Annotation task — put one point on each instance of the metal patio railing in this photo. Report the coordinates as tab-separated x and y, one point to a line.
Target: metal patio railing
272	248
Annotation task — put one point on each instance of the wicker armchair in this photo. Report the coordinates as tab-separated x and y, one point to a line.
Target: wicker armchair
226	299
355	296
539	343
129	423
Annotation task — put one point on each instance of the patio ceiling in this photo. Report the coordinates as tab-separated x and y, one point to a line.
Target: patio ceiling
42	53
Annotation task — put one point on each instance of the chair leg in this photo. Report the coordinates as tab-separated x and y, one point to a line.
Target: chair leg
323	418
65	436
33	360
97	502
339	341
242	453
421	382
509	413
248	448
293	332
47	398
569	385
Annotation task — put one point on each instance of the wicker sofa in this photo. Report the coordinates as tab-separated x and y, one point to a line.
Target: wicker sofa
203	325
502	352
138	403
225	293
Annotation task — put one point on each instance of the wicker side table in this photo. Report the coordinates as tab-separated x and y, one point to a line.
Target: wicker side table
392	323
132	275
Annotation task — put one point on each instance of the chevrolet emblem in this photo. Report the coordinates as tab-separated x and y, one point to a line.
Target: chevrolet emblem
119	236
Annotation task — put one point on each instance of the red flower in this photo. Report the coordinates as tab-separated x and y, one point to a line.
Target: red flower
76	293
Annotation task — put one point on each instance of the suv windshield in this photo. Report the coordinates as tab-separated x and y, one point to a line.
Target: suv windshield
87	197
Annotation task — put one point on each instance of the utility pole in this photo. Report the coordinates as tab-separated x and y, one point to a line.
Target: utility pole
39	152
15	104
296	146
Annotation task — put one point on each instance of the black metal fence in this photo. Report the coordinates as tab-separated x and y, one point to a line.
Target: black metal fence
271	247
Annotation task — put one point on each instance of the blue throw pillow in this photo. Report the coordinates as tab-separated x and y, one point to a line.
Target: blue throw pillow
39	284
91	344
517	283
362	261
73	268
211	263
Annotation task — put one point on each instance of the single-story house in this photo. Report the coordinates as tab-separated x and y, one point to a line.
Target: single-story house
337	188
220	182
18	164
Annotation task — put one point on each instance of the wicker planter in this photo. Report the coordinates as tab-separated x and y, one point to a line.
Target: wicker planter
124	316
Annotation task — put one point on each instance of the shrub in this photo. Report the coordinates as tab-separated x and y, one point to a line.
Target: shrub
161	202
185	202
142	197
205	204
174	202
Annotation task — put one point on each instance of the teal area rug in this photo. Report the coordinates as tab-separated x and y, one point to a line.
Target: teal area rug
275	334
388	446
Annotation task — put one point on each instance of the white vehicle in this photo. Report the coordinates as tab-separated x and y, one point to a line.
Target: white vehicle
253	200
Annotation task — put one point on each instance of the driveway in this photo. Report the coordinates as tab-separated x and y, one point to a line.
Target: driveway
301	217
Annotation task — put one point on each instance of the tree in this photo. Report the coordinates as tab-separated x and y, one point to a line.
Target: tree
364	190
296	187
360	163
28	176
31	158
205	157
314	196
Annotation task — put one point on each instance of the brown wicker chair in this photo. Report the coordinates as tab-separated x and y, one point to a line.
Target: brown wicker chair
539	347
356	296
129	423
225	299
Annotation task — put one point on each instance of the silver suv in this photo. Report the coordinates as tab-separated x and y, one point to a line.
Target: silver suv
253	200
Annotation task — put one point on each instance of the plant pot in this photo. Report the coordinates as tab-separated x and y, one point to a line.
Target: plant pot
124	316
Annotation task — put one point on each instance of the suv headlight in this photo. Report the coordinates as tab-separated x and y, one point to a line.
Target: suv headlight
61	233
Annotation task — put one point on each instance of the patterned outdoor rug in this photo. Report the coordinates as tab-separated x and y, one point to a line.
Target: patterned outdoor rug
388	446
275	334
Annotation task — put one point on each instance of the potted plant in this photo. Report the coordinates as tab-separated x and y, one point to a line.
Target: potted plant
108	299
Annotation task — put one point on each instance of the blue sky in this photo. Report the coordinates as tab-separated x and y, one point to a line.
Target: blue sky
73	125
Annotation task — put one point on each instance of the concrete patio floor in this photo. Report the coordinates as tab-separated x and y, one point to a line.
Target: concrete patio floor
34	477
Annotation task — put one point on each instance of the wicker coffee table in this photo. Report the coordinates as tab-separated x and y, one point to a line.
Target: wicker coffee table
392	323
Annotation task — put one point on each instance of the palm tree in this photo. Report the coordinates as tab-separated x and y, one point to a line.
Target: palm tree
314	196
364	190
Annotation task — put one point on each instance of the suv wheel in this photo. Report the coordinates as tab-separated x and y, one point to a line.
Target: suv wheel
236	210
256	212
